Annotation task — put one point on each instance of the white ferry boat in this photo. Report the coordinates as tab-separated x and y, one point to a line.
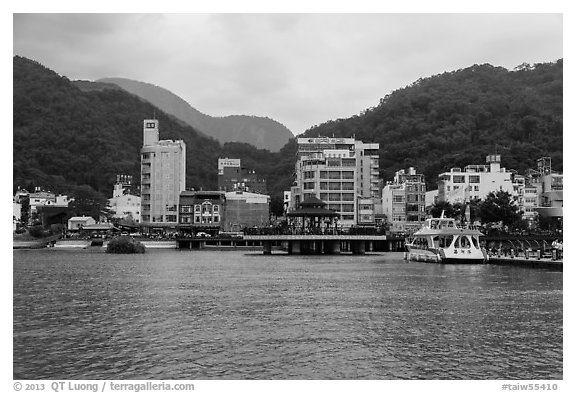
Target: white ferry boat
441	240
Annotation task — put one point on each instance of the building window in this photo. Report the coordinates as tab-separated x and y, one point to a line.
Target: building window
458	179
335	196
347	196
334	207
309	185
474	179
347	207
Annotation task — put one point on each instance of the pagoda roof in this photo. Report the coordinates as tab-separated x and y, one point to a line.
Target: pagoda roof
312	202
312	212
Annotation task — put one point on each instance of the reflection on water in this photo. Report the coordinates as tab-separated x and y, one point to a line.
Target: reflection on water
229	315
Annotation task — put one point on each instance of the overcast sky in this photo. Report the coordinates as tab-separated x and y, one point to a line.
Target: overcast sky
299	69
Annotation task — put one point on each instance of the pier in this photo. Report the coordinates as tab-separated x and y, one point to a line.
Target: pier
304	244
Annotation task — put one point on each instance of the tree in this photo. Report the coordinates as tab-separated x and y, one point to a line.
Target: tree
88	202
499	208
443	206
25	211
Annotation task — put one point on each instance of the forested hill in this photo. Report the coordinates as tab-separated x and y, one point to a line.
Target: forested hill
457	118
65	137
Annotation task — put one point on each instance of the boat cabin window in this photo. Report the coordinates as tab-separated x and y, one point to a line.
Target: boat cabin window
436	241
464	242
420	242
444	241
475	242
434	224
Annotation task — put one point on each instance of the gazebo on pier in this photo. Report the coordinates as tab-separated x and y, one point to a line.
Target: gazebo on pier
310	216
314	230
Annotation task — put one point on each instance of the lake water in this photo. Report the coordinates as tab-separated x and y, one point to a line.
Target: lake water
171	314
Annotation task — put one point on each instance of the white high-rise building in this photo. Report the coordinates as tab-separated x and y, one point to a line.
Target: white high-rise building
163	168
342	172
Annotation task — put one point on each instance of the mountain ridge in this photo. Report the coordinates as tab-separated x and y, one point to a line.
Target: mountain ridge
262	132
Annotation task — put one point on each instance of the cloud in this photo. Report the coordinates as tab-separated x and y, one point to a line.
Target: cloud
300	69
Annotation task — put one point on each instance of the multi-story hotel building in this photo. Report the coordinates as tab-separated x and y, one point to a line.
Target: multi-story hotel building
342	172
539	192
475	182
404	201
163	169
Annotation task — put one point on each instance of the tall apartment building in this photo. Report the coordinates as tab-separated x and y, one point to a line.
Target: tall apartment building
404	201
475	182
342	172
163	169
233	177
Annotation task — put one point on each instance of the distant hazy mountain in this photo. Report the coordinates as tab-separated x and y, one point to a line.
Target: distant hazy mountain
261	132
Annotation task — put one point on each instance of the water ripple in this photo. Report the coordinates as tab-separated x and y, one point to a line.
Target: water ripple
225	315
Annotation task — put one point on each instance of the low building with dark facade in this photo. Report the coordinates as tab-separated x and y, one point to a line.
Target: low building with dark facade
201	211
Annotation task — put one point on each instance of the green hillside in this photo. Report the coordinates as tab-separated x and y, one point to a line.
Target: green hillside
457	118
65	136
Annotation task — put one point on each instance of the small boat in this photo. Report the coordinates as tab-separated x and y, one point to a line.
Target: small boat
442	240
